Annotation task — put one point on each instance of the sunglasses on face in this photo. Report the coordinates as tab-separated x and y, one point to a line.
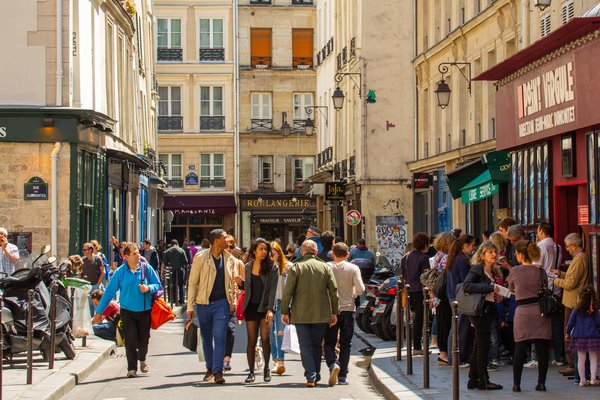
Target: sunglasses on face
231	246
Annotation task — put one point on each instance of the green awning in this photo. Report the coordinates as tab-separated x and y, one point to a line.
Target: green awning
479	188
461	176
499	165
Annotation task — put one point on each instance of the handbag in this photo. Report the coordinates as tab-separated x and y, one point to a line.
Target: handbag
290	340
161	313
549	302
239	308
470	304
439	286
190	336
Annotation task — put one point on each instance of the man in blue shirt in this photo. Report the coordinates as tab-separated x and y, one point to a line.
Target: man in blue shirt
361	251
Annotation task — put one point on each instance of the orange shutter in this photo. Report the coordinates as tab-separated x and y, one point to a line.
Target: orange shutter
302	47
260	46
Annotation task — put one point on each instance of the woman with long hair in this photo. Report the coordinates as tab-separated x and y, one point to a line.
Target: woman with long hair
282	264
526	281
480	279
458	265
260	285
443	314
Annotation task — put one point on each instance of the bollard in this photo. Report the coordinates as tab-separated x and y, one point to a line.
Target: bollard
54	291
72	307
409	322
425	338
399	318
1	346
455	352
29	336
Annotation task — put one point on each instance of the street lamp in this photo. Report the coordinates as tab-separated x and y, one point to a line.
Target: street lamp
309	126
338	95
542	4
285	127
443	91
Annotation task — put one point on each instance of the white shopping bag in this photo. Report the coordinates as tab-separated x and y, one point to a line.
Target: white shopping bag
82	321
199	347
290	340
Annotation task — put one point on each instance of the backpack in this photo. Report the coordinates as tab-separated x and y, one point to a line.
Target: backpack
429	277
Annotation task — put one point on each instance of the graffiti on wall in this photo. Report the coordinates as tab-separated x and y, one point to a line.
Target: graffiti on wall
390	234
394	207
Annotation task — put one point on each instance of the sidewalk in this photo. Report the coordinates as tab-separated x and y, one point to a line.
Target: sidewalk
390	378
53	384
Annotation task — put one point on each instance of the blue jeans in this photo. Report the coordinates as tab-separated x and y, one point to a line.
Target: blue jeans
277	334
213	319
310	337
106	331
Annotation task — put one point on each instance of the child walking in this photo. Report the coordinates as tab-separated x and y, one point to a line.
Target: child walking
582	331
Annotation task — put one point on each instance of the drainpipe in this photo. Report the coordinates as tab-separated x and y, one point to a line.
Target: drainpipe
59	57
54	198
236	125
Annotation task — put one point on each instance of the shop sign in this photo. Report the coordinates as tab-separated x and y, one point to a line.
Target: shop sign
276	203
551	89
583	214
478	193
353	217
191	179
36	189
334	190
422	180
280	220
195	211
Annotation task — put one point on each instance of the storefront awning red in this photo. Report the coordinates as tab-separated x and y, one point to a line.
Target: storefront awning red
200	204
573	30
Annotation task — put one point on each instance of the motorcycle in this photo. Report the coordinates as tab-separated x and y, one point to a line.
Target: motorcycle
364	312
381	322
41	277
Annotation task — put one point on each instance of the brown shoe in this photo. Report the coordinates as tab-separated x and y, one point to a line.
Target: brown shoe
219	378
208	375
567	371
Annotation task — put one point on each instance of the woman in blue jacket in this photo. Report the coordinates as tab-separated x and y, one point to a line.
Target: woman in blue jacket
136	281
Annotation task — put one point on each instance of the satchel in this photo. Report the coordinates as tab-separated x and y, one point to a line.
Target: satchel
470	304
190	336
239	308
549	302
439	286
160	314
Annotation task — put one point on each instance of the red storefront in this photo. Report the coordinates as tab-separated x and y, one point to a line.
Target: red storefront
548	113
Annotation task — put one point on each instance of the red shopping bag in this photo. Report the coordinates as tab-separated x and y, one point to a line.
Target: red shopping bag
239	309
160	314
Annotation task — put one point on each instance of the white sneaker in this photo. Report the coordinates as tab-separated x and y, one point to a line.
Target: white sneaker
531	364
557	363
131	374
144	367
333	374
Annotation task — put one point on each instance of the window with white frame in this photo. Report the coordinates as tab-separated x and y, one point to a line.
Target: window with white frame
301	101
266	169
212	170
168	33
261	106
568	11
172	165
303	168
545	25
169	103
211	101
211	33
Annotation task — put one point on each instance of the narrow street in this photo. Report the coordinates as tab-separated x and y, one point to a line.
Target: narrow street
175	373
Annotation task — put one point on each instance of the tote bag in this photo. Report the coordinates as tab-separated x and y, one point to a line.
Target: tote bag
190	336
290	340
160	314
469	304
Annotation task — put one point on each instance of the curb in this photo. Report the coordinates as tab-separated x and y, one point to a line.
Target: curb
62	381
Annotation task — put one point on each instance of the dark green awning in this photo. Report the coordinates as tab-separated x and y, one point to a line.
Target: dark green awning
460	176
479	188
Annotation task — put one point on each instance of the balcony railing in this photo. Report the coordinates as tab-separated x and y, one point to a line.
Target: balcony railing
302	2
330	46
353	47
299	124
260	62
170	123
345	55
262	124
212	183
344	168
318	58
212	123
174	183
302	62
352	167
339	61
325	157
260	1
165	54
212	54
337	171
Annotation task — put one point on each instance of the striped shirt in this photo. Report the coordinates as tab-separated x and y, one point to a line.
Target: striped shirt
6	265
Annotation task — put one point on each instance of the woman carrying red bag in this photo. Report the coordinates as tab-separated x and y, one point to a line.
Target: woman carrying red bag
136	303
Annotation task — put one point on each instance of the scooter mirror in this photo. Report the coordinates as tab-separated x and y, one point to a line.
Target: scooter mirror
64	267
46	249
51	260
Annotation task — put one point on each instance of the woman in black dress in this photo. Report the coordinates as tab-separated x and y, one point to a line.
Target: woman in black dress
260	285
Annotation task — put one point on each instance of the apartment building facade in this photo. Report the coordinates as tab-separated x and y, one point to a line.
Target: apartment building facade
197	121
78	133
277	82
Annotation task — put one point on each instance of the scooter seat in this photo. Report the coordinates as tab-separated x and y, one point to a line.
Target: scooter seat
20	276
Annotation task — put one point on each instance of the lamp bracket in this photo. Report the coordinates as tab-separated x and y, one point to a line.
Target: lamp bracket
443	68
340	75
309	110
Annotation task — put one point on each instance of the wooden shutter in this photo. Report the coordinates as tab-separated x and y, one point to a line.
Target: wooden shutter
255	172
302	47
260	46
279	173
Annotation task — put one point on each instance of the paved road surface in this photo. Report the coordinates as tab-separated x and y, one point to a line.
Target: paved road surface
176	374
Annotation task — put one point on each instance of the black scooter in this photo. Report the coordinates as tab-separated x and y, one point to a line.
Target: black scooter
364	312
381	322
40	278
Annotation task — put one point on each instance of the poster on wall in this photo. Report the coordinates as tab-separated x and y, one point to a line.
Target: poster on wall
390	234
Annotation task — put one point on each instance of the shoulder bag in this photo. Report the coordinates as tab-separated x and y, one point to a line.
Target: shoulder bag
470	304
190	336
549	302
240	315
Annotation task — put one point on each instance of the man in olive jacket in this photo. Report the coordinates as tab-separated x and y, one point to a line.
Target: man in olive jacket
312	292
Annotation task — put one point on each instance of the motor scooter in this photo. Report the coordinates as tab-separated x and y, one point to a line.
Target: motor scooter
381	322
364	312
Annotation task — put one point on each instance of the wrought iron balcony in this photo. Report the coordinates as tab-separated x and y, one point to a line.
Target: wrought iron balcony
260	62
174	183
170	123
212	183
353	47
345	55
302	62
344	168
325	157
299	124
339	61
352	167
212	123
212	54
324	53
337	171
166	54
261	124
298	2
330	46
318	58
